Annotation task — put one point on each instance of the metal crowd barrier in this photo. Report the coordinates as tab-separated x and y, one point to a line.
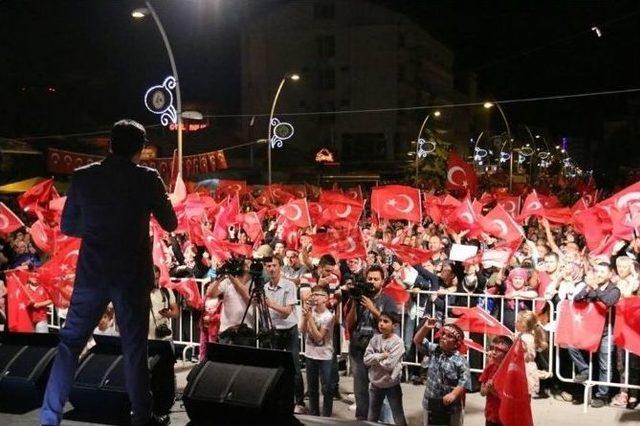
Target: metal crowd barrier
186	334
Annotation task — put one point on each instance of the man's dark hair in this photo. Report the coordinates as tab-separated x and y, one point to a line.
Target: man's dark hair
503	340
128	137
327	259
376	268
394	317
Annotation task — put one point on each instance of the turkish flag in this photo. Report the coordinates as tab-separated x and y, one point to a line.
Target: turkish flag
9	222
397	292
499	255
621	224
341	244
43	236
290	235
622	199
355	193
157	252
579	205
460	175
187	288
477	320
339	210
278	194
486	198
549	201
510	204
296	212
397	202
626	332
18	300
580	325
407	254
226	217
223	250
315	212
58	280
465	217
532	207
595	224
37	198
252	225
510	383
501	225
298	191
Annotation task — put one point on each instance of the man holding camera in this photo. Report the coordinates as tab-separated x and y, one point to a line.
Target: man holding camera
365	303
281	299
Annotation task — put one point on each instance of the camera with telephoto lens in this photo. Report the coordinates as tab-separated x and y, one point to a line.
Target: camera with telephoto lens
233	267
361	288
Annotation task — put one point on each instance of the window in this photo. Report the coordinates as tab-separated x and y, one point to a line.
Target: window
357	147
326	46
323	10
327	79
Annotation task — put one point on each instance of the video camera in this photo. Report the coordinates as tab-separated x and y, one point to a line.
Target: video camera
360	287
235	266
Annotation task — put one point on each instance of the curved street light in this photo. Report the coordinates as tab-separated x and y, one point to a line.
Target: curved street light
293	77
141	13
418	139
489	105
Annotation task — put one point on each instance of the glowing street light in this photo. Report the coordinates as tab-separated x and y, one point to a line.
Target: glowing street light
488	105
141	13
292	77
420	151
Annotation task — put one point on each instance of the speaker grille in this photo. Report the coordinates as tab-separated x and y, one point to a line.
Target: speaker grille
24	366
215	381
93	369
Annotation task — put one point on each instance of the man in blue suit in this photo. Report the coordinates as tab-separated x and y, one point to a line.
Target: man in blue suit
109	205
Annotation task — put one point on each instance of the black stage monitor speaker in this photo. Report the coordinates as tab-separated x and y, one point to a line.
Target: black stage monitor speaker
99	393
25	362
240	385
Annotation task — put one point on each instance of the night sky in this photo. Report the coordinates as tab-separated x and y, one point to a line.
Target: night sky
100	61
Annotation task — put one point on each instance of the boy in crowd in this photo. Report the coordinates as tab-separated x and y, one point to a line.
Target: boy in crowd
383	357
448	376
497	351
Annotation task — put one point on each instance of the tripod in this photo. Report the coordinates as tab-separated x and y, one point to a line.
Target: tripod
266	329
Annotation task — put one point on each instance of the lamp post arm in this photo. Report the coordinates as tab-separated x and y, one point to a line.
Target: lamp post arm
174	70
273	108
424	123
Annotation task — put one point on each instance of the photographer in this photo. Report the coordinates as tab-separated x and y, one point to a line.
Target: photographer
233	285
365	303
281	299
163	308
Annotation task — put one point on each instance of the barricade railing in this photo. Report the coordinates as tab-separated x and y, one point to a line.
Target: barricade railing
594	361
440	306
186	333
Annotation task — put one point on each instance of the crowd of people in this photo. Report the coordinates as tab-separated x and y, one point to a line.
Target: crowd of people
328	301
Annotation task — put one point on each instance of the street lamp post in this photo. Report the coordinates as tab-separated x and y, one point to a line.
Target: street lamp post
424	123
294	77
506	123
139	14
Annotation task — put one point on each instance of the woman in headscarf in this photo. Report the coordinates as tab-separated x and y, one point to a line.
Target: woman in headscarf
516	288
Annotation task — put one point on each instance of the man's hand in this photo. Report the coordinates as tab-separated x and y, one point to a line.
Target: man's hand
449	398
368	303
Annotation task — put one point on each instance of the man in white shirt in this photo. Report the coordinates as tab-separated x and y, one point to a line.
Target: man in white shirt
235	291
281	299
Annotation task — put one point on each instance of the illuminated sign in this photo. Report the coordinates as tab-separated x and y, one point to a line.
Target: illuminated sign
324	156
189	127
280	132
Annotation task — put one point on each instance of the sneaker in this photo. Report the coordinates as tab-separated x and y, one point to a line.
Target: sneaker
581	377
564	396
299	409
598	402
620	400
349	398
352	407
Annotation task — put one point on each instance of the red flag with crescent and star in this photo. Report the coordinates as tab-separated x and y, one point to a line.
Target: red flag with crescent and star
9	222
296	212
187	288
532	207
510	384
36	199
339	210
341	244
407	254
460	175
397	202
510	204
18	300
626	332
580	325
476	320
501	225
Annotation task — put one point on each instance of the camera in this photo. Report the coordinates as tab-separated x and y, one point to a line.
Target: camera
233	267
362	288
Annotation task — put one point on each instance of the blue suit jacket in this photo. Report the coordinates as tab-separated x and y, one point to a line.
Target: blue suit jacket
109	205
